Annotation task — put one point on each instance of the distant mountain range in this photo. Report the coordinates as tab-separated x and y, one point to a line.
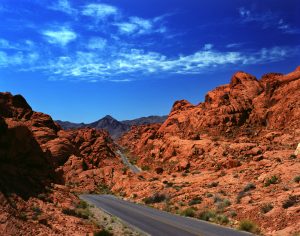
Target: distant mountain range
114	127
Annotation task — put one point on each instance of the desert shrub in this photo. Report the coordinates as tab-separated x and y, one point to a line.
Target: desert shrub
82	204
103	233
233	213
145	168
297	179
273	180
293	156
207	215
169	184
124	170
23	216
291	201
190	212
248	187
156	198
213	184
103	189
249	226
81	211
221	203
153	179
195	200
222	219
212	216
265	208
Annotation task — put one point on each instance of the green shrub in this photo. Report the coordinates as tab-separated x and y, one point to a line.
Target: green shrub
222	219
82	204
291	201
81	211
145	168
207	215
297	179
273	180
103	233
233	213
190	212
195	200
265	208
248	225
249	187
156	198
213	184
212	216
23	216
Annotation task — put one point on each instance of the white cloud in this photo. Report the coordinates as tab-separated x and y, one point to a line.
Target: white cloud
24	45
267	19
208	46
234	45
126	28
97	43
63	6
244	12
140	26
61	36
99	11
5	44
135	63
287	28
18	59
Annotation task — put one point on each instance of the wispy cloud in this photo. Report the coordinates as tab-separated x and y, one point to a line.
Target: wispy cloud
234	45
63	6
287	28
18	59
61	35
99	11
267	19
208	46
139	26
24	45
96	43
135	63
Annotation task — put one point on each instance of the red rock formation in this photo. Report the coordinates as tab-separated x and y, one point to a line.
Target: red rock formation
35	154
244	132
245	109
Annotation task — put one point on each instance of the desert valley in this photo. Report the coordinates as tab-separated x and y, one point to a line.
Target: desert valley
231	160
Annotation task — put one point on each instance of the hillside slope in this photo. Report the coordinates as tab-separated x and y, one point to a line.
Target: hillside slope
237	145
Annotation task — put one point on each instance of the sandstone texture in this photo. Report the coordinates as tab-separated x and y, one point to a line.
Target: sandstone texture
41	164
244	134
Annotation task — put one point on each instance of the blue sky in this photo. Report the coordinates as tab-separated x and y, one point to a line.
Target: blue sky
79	60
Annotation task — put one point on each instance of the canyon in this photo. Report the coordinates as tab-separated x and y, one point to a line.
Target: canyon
226	160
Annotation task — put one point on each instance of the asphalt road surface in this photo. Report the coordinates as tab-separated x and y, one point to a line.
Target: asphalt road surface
155	222
127	163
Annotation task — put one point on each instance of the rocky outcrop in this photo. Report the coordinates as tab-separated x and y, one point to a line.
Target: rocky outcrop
37	158
237	145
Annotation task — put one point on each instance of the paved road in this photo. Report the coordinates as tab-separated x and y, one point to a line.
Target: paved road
155	222
127	163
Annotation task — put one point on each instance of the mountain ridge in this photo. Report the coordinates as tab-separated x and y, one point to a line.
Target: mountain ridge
115	127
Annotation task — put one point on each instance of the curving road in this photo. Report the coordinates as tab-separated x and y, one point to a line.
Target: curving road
127	163
155	222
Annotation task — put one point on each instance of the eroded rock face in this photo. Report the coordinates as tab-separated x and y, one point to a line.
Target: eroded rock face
244	134
244	110
35	154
